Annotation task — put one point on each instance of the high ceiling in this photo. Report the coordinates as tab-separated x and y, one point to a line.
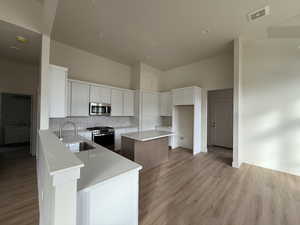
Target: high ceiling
10	48
163	33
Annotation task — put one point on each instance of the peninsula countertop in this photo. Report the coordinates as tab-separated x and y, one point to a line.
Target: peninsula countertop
100	164
148	135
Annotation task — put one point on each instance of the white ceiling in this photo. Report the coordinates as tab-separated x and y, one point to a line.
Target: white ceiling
163	33
28	53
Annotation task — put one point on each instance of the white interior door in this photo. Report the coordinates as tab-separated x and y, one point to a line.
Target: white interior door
221	118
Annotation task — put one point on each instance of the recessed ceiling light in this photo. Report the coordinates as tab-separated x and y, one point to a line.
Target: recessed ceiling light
14	47
22	40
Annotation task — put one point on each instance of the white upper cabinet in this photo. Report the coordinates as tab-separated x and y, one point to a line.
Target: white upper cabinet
80	96
183	96
165	104
116	102
57	95
122	102
128	103
100	94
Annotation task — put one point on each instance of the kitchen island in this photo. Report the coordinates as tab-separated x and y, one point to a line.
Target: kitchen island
148	148
108	185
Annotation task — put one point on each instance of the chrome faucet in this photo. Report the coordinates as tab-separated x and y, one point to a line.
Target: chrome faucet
63	125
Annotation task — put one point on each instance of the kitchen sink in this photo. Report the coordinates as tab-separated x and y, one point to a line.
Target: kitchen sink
80	146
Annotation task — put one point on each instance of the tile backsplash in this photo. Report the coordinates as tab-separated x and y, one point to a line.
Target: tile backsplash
84	122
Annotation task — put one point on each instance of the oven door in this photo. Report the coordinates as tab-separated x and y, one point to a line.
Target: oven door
105	140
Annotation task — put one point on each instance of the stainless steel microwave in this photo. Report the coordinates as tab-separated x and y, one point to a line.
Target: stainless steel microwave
99	109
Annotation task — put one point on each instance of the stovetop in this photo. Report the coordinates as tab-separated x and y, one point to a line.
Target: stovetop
99	128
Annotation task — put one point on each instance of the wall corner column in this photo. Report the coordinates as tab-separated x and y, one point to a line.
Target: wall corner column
236	102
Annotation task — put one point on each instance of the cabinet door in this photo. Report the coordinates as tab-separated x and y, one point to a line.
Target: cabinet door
128	103
178	96
116	102
95	94
100	94
105	95
57	84
79	99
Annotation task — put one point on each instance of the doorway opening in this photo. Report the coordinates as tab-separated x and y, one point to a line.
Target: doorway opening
220	124
15	125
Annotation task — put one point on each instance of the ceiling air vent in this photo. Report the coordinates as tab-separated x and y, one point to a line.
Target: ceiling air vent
258	14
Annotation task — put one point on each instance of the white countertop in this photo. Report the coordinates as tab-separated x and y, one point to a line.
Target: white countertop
125	127
148	135
100	164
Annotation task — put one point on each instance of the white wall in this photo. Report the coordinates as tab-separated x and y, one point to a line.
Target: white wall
89	67
150	78
270	105
211	73
21	78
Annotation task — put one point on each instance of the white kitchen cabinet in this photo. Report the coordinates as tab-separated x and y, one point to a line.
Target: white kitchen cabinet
80	96
100	94
69	87
122	102
116	102
128	103
165	104
57	91
183	96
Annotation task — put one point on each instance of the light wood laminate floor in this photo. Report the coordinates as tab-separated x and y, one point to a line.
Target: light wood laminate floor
206	190
186	190
18	189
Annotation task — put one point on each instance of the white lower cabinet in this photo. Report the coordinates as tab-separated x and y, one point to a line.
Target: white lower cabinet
118	134
110	202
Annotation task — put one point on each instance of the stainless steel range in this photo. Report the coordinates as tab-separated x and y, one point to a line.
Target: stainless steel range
104	136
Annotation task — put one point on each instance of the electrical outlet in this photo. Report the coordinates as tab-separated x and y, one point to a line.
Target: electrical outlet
181	138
